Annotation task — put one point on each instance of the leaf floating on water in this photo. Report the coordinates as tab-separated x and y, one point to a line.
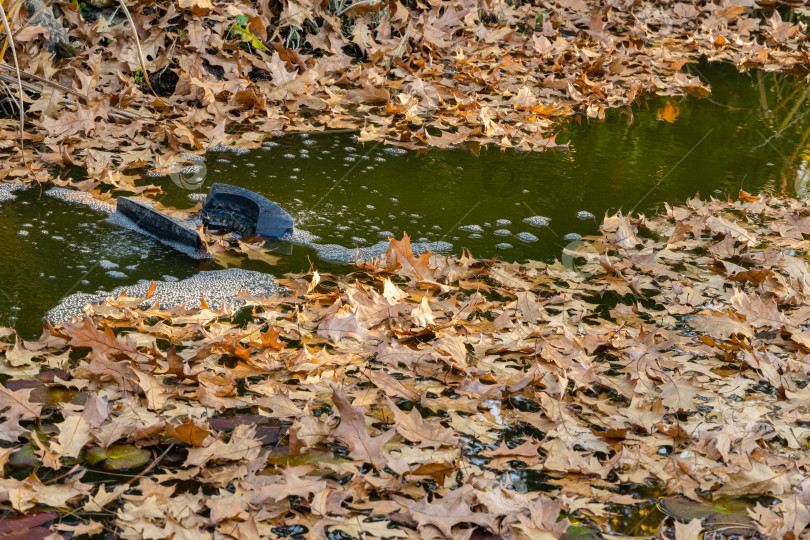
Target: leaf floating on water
27	527
730	515
119	457
669	112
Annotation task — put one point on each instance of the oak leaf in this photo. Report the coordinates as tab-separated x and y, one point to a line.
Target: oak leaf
352	431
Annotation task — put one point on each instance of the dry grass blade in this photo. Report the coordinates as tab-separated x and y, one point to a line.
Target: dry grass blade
141	58
116	111
14	10
19	80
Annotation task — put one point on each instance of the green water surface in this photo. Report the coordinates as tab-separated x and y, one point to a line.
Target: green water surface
751	133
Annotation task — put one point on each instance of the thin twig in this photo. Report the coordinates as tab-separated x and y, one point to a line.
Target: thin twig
19	80
151	465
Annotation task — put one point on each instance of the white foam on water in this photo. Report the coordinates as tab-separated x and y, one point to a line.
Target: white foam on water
80	197
7	191
219	287
526	237
537	221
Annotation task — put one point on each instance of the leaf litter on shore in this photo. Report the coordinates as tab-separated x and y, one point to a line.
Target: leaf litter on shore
402	72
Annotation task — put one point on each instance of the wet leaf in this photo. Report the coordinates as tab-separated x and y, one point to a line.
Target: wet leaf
118	457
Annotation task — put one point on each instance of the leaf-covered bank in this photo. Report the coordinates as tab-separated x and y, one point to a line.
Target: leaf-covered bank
434	397
189	75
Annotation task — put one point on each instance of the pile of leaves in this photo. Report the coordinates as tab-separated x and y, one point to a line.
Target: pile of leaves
414	73
437	397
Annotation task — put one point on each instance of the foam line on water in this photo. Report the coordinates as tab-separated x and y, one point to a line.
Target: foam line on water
218	286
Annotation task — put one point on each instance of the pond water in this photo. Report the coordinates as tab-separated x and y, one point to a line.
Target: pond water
751	133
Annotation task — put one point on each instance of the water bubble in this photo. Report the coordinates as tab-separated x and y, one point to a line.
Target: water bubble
472	228
105	264
380	159
537	221
503	222
474	235
572	236
394	151
501	232
584	214
289	156
23	233
526	237
116	274
503	245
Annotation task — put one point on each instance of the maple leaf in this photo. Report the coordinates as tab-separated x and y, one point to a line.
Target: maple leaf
18	404
720	325
688	531
679	395
74	433
296	485
446	513
426	434
410	265
758	311
542	519
104	344
625	234
352	431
